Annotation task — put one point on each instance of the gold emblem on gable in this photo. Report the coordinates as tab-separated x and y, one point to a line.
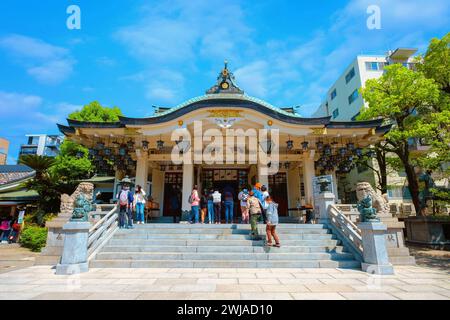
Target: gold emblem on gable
131	132
224	113
319	131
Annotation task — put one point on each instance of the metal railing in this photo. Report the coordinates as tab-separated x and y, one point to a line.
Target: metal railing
102	231
348	231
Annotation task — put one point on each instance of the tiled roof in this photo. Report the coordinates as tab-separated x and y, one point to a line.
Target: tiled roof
12	173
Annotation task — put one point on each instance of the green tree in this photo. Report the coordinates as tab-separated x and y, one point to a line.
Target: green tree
72	162
404	98
95	112
43	183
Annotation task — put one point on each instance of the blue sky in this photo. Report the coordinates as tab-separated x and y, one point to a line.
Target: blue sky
136	54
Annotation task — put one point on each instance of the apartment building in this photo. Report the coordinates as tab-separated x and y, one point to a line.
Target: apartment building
343	101
4	147
41	144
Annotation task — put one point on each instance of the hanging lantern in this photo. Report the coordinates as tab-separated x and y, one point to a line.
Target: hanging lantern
145	145
351	146
130	144
305	145
122	151
289	144
319	145
287	165
162	167
80	154
160	144
327	150
107	151
342	151
358	152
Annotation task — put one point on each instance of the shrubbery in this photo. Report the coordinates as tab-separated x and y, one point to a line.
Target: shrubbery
33	237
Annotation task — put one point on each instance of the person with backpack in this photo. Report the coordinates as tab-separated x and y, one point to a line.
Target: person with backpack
139	204
264	196
217	202
125	204
272	222
194	200
254	208
243	195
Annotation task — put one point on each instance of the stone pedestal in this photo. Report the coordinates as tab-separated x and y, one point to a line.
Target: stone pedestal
375	254
397	251
74	255
321	203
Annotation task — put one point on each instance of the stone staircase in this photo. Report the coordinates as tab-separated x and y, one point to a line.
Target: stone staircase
222	246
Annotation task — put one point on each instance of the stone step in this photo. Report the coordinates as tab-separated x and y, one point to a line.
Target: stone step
230	249
193	243
224	264
183	231
223	226
130	235
221	256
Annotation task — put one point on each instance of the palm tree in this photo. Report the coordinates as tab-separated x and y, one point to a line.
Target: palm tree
40	164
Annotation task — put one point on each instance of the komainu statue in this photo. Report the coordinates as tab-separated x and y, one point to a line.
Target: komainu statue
82	207
379	203
68	202
368	214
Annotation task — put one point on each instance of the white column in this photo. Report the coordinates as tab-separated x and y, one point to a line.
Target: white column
158	188
142	169
335	184
293	179
308	175
262	178
188	183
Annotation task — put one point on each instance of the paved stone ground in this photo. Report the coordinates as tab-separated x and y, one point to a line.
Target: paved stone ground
13	257
426	257
40	282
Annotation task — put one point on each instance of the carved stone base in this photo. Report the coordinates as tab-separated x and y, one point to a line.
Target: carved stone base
377	268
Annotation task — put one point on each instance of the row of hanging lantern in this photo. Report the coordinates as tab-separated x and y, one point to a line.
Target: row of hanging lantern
110	159
342	159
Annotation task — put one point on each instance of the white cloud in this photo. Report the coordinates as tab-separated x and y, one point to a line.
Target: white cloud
46	63
17	104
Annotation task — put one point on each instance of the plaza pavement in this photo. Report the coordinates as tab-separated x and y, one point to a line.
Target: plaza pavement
410	283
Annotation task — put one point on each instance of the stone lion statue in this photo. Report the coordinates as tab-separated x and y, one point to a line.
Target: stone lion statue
380	203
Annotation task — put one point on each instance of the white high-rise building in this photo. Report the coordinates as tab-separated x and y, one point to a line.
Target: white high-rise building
42	145
343	101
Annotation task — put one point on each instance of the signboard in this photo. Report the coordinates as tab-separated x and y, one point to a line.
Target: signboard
21	216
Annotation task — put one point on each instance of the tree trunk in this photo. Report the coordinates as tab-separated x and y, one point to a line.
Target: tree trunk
381	159
413	184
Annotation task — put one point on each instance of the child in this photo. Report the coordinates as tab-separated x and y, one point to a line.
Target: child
272	222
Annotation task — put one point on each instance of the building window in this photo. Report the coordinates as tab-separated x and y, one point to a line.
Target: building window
353	96
349	76
396	192
335	113
333	94
375	66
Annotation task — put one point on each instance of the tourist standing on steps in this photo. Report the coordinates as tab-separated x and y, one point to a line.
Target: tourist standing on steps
217	201
125	198
272	222
264	196
139	204
204	205
229	207
194	200
243	195
210	207
254	209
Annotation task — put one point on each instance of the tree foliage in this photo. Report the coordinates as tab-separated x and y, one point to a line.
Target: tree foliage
72	162
95	112
406	99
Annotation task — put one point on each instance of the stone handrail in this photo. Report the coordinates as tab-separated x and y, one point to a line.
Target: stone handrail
347	230
101	232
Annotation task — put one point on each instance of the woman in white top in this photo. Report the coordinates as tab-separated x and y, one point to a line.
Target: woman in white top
139	204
